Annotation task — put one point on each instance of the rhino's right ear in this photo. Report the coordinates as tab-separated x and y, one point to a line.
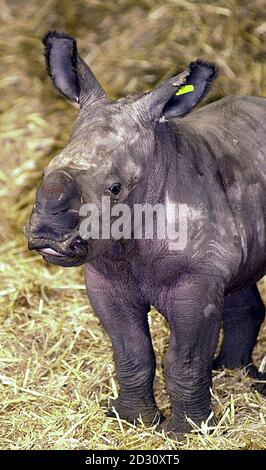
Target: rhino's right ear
68	71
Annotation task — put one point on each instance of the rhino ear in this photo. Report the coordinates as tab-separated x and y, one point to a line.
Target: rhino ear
68	71
178	95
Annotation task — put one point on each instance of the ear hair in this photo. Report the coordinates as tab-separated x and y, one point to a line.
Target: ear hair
211	73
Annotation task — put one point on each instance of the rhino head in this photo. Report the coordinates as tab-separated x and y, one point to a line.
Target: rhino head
110	152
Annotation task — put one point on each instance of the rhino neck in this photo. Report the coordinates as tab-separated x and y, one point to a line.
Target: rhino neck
157	166
178	161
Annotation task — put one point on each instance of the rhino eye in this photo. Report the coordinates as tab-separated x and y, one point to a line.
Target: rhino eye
115	189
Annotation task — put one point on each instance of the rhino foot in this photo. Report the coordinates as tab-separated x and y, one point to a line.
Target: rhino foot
177	429
173	429
252	372
259	376
144	410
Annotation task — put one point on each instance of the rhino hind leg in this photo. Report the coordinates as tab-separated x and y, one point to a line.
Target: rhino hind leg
244	313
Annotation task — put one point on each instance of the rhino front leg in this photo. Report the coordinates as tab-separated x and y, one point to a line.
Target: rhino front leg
194	312
124	317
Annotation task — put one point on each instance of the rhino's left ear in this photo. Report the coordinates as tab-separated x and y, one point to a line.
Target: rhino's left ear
68	71
178	95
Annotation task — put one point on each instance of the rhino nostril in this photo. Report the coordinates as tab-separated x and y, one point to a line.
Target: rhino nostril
76	243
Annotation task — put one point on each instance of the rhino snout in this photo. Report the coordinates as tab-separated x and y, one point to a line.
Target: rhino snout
53	226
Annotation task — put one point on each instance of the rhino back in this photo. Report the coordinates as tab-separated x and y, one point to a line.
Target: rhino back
233	132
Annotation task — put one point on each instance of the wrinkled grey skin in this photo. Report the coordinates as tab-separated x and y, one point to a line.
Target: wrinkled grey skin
213	160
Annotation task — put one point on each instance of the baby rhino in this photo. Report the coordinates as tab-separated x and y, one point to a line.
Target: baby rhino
204	175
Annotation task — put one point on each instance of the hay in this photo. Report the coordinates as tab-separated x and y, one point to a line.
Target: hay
57	372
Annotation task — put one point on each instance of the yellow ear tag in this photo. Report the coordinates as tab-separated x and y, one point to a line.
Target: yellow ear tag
185	89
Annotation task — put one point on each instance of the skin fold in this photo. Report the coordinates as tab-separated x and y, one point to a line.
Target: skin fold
214	162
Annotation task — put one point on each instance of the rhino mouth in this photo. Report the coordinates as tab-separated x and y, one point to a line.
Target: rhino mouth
69	252
50	251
